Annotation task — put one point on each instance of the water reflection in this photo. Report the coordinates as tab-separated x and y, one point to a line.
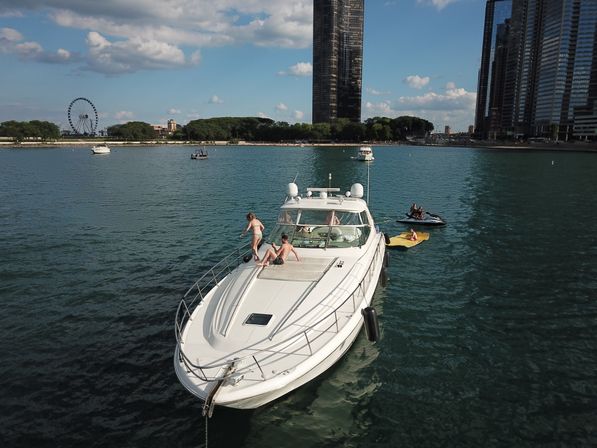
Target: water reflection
488	328
336	161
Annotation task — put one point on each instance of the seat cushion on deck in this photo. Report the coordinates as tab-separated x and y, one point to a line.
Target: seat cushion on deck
306	270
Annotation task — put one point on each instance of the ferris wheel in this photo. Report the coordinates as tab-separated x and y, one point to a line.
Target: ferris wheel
82	116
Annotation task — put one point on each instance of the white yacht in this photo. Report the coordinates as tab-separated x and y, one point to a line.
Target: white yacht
100	149
365	154
247	334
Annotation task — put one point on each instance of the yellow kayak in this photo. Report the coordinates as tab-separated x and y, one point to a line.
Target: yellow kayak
402	241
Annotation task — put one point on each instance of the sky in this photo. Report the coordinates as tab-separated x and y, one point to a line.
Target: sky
154	60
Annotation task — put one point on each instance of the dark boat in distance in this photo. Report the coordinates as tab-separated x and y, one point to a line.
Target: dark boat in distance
199	154
429	220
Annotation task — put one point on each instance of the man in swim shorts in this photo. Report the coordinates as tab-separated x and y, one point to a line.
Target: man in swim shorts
279	255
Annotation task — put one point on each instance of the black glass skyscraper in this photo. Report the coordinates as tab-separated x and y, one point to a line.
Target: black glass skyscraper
337	59
494	64
537	74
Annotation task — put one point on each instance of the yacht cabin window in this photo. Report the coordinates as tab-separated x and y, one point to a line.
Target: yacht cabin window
322	228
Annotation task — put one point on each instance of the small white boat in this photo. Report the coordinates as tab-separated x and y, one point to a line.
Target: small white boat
365	154
100	149
247	334
200	154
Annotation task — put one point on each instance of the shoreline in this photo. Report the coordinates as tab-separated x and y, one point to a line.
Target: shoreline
87	144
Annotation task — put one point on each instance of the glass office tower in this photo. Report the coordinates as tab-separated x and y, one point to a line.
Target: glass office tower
567	52
537	68
337	59
494	63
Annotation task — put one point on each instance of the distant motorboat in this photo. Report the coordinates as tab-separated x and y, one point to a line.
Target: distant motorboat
100	149
199	154
365	154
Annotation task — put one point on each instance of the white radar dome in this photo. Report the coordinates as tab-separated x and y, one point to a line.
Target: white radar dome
356	191
292	190
323	195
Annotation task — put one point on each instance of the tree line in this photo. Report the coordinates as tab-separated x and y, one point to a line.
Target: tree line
257	129
20	130
252	129
267	130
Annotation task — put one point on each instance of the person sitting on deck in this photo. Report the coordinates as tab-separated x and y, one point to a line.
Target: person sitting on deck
279	255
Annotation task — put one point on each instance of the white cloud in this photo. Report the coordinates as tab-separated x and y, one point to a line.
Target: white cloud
298	115
10	13
454	107
63	54
382	108
450	85
262	115
215	99
194	115
29	49
131	55
298	69
416	81
439	4
281	107
173	111
10	43
10	35
147	29
124	115
452	99
375	92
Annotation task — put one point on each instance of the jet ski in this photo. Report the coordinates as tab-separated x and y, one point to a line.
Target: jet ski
430	219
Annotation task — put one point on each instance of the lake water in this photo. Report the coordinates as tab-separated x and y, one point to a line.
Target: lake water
489	329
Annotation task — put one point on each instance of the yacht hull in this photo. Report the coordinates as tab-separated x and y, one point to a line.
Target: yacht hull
248	334
314	366
265	398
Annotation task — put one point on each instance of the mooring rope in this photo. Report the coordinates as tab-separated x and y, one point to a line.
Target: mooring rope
206	419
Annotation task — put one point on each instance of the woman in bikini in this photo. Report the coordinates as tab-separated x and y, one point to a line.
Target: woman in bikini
258	228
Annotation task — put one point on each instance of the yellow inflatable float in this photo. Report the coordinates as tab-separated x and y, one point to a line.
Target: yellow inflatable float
404	241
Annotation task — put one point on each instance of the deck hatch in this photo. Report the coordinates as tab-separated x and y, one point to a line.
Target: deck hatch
258	319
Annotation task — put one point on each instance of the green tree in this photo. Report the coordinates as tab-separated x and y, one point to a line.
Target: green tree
23	129
321	131
133	130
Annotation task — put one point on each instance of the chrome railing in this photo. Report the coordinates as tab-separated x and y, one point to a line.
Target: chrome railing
212	278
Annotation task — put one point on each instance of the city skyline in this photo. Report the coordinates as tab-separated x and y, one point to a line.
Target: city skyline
538	73
150	63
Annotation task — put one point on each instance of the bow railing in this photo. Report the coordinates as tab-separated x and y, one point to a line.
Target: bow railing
196	293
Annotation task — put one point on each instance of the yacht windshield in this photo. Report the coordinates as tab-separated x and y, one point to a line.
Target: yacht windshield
322	228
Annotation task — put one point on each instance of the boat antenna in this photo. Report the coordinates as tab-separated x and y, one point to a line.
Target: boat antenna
368	183
329	180
294	180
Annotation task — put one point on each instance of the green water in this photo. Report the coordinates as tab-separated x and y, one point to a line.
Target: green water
488	329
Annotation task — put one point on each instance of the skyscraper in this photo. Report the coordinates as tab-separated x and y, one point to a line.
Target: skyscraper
494	62
537	68
337	59
564	67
